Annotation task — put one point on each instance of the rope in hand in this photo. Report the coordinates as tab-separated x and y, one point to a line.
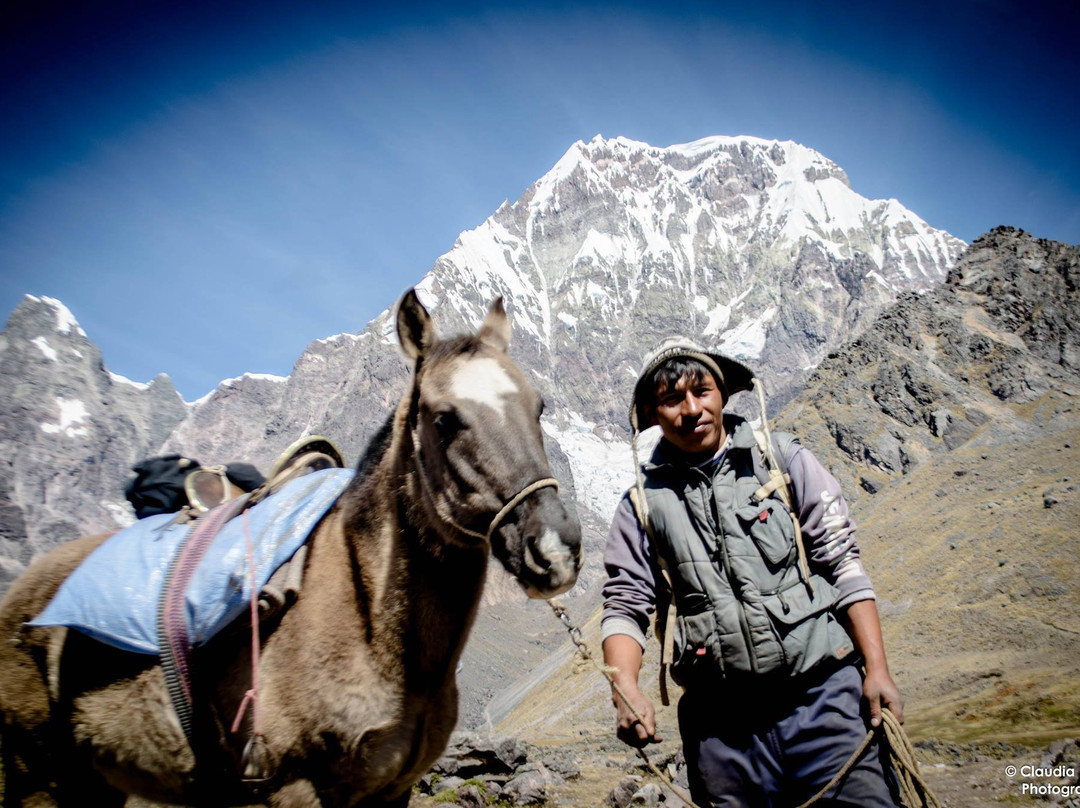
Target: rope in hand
585	654
914	791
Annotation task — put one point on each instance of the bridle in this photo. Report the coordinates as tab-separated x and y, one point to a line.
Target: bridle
513	502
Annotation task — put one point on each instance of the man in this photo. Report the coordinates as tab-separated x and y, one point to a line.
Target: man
770	626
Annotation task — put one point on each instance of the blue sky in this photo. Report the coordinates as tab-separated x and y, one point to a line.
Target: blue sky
190	176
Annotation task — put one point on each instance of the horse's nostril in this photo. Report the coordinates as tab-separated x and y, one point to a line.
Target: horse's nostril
535	558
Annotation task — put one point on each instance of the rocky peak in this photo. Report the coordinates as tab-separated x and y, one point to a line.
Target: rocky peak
71	430
936	367
1029	285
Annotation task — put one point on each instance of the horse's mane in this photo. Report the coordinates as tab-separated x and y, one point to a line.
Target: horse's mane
375	451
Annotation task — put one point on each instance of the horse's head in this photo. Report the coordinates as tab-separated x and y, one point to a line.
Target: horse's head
479	454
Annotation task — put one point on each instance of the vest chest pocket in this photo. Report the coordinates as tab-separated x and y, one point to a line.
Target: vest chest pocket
768	524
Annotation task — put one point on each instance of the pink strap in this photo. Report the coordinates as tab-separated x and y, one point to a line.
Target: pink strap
251	696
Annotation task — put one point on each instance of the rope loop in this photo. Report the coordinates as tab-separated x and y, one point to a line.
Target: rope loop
256	763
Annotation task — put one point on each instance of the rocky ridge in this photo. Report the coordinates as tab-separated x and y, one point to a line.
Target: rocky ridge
71	431
936	367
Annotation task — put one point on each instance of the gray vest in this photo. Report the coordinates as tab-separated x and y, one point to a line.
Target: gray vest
742	606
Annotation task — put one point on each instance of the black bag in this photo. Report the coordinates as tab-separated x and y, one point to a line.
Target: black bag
244	476
158	485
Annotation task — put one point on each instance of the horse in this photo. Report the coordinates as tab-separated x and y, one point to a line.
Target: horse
358	692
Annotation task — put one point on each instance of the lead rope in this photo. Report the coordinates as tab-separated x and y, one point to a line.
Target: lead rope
914	791
607	671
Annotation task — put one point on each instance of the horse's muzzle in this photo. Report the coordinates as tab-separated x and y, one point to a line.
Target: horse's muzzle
551	563
551	556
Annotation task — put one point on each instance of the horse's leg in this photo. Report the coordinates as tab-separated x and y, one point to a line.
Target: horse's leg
297	794
22	784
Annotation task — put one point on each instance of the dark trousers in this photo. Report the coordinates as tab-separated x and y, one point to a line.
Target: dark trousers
775	745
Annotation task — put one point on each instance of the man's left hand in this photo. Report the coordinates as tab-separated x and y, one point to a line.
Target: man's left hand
880	691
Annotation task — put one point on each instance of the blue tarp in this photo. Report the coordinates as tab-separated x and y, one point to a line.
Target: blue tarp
114	594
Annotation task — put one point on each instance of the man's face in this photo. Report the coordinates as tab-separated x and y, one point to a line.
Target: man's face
690	414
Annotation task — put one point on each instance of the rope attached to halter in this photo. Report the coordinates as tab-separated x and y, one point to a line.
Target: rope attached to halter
607	672
914	792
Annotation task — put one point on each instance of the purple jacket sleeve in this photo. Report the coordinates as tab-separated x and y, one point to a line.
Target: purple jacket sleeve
828	530
630	590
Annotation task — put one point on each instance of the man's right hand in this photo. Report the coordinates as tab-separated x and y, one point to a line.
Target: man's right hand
623	654
629	729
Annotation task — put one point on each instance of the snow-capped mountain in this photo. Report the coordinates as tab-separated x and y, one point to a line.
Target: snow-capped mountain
760	248
614	219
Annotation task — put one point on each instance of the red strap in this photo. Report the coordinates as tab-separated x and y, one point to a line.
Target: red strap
252	695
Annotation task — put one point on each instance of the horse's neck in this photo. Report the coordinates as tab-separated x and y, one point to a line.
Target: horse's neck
417	596
445	593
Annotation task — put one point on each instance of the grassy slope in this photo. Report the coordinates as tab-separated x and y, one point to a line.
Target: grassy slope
978	581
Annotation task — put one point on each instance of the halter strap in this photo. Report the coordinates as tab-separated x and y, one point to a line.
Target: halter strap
513	502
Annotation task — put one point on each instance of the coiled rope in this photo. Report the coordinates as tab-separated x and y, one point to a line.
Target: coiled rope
914	792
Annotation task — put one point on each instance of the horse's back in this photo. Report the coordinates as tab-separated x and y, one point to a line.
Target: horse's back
23	677
32	590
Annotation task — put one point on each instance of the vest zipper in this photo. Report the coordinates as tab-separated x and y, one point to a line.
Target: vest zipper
722	540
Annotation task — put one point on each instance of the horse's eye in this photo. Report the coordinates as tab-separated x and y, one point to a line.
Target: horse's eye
447	424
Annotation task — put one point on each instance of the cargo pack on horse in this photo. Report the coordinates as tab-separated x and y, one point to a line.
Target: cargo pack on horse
357	692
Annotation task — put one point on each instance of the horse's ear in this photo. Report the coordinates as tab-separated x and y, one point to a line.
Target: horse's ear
414	328
496	328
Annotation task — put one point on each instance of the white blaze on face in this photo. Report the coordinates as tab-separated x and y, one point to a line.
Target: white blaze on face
483	381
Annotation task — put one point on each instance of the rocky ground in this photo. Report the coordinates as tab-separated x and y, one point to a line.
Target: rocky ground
594	771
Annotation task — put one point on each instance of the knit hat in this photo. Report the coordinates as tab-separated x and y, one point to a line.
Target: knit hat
732	376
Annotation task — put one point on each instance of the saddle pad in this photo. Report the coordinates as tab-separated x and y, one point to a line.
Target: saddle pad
114	595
